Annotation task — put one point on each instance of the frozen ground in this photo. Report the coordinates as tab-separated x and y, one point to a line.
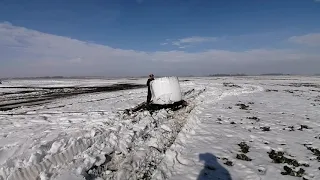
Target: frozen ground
88	136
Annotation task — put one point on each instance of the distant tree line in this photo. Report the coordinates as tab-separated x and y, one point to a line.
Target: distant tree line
222	75
242	74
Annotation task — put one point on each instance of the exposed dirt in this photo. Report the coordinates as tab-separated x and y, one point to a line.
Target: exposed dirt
155	107
229	84
243	157
244	147
243	106
41	95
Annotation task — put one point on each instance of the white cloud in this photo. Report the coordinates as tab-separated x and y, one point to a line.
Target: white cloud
192	40
25	52
312	39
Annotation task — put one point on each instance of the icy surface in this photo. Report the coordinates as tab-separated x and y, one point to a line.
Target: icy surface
90	137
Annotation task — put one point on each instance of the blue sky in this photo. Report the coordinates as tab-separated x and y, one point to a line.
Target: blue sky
160	30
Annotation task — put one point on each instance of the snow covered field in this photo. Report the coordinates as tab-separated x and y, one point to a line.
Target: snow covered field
228	131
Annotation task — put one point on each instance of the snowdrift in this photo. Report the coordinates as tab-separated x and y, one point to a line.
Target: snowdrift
166	90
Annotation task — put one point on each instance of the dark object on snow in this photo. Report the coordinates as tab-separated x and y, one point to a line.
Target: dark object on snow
266	128
243	157
47	94
278	157
271	90
254	118
154	107
315	152
229	163
242	106
291	128
151	78
225	84
304	127
291	172
289	91
244	147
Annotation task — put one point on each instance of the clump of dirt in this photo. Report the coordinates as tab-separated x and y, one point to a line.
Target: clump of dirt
242	106
304	127
244	147
313	90
254	118
291	128
155	107
305	85
186	80
289	91
317	99
227	161
278	157
315	151
291	172
243	157
265	128
271	90
229	84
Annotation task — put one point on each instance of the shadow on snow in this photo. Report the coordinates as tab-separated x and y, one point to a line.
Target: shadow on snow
212	170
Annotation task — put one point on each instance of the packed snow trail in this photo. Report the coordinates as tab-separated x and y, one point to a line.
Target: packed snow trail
119	137
213	95
278	114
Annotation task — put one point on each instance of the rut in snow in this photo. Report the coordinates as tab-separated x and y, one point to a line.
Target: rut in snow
130	149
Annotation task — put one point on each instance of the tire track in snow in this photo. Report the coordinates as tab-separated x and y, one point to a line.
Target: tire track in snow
173	156
33	171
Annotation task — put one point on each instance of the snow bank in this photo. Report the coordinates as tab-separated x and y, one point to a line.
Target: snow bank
166	90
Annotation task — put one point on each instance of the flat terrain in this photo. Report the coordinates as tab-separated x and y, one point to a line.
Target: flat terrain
232	128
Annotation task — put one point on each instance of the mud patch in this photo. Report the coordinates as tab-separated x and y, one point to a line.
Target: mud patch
243	157
229	84
292	172
315	151
244	147
243	106
271	90
254	118
155	107
41	95
265	128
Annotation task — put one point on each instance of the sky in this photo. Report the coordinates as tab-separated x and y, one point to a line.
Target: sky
165	37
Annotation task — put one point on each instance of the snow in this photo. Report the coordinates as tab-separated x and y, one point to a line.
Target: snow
89	136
